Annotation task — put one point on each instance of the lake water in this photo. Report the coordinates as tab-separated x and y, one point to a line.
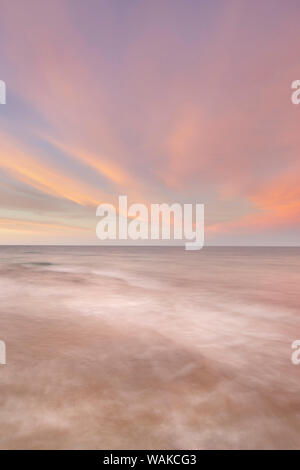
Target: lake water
149	348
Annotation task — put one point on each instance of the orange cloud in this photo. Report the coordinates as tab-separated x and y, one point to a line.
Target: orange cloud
32	170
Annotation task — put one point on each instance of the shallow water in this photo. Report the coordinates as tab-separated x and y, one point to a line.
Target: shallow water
149	348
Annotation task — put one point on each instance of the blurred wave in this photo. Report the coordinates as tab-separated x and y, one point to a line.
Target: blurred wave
151	348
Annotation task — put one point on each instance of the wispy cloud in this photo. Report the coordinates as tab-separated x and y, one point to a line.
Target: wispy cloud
156	100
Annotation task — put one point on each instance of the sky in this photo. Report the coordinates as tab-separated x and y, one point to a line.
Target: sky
162	101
